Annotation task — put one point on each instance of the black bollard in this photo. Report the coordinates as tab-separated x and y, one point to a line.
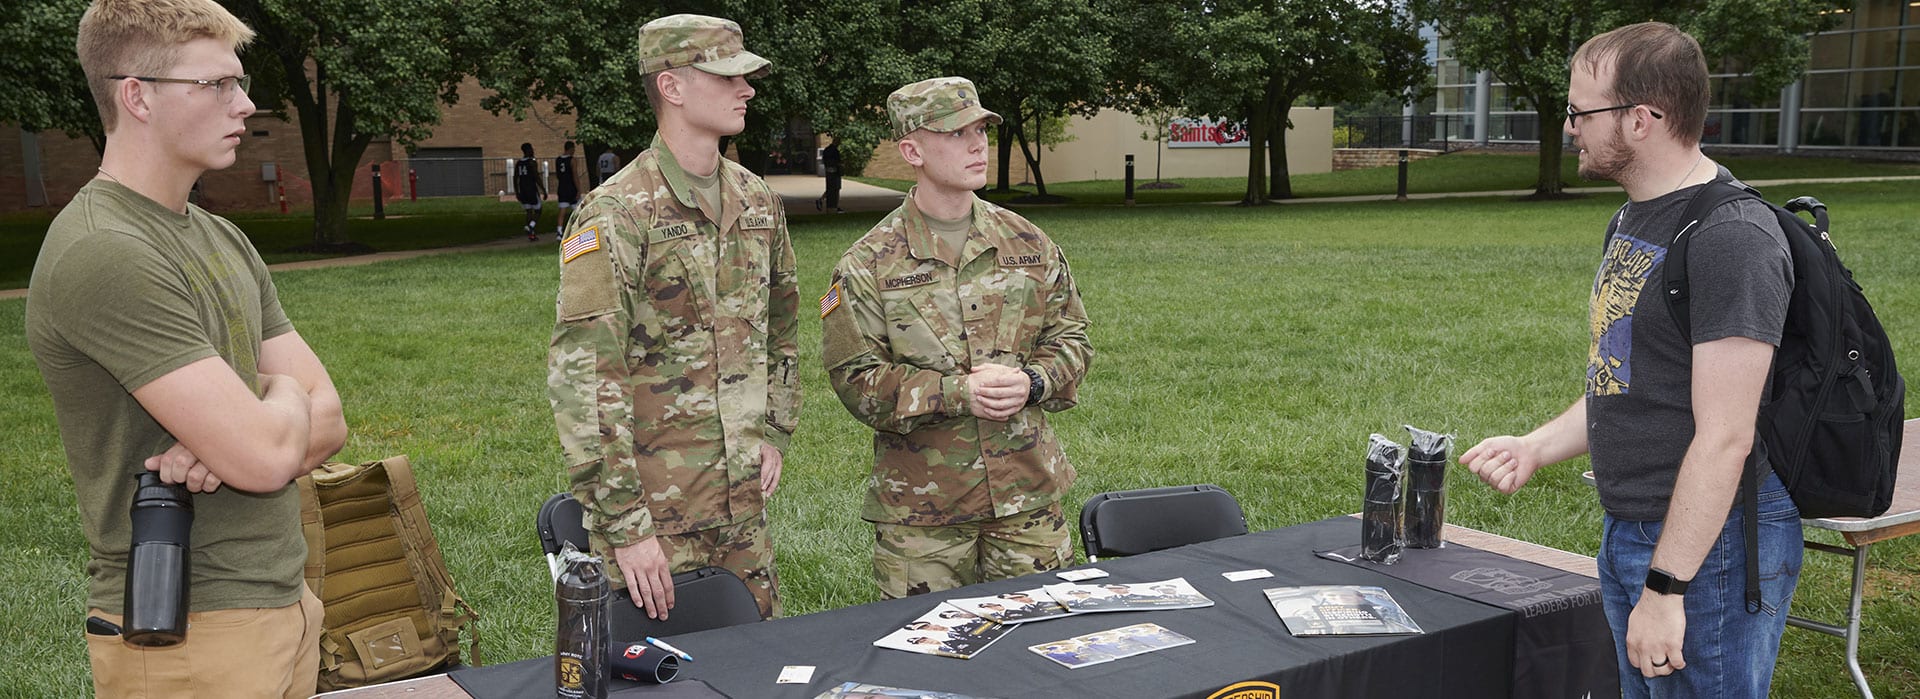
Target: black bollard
379	195
1403	175
1129	179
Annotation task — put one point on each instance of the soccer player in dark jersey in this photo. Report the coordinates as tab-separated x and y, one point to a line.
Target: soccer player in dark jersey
566	193
528	187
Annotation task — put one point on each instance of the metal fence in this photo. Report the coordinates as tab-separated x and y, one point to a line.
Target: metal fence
1435	131
476	176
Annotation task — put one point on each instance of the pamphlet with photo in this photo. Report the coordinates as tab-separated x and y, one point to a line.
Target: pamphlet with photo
862	690
1112	644
1128	597
946	631
1340	610
1014	607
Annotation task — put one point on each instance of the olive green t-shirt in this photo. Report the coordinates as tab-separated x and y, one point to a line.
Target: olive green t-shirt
124	292
952	232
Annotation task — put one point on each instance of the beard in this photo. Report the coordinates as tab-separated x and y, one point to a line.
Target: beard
1611	161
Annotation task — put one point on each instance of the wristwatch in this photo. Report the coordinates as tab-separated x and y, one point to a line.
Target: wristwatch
1036	386
1664	583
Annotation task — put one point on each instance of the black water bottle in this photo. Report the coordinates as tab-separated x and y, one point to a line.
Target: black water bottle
580	649
157	563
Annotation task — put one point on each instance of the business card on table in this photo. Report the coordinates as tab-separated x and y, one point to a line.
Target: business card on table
795	674
1244	575
1081	574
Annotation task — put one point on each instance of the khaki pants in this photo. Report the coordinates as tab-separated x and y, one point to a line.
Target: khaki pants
909	560
228	653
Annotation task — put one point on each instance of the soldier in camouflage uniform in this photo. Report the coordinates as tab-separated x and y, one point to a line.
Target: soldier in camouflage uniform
949	328
672	368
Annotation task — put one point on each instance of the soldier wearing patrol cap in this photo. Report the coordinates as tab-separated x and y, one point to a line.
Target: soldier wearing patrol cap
672	368
950	328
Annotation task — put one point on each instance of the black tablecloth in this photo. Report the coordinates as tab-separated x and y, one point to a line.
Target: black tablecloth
1467	650
1561	644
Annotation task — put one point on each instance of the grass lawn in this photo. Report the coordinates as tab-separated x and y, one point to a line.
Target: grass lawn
428	223
1252	348
1463	172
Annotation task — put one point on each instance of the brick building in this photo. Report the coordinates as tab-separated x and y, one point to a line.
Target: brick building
465	155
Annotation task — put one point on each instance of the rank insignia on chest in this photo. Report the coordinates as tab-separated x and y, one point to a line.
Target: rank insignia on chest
831	300
756	221
585	241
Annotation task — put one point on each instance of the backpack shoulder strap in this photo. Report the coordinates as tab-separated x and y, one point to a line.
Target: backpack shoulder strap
1674	273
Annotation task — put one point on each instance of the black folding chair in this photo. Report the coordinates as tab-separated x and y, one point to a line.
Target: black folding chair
1129	522
560	521
708	598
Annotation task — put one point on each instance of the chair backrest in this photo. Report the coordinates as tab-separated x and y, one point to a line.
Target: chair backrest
1129	522
708	598
561	520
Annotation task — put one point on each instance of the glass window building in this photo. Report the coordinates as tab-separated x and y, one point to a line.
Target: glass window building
1861	90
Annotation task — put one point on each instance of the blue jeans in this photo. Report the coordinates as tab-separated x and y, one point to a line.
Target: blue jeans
1729	653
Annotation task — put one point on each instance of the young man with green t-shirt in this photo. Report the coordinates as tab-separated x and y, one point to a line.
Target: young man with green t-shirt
161	339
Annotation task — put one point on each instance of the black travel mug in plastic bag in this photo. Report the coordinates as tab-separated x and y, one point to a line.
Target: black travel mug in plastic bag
580	647
1381	533
1427	456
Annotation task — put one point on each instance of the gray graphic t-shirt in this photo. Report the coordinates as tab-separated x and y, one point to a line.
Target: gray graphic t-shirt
1639	368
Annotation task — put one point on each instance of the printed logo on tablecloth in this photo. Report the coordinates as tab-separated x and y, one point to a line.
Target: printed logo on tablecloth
1248	690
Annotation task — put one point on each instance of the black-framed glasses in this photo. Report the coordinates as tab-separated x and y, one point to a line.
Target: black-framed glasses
1574	116
222	86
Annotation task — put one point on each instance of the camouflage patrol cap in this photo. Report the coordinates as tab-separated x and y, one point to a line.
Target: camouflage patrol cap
936	104
711	44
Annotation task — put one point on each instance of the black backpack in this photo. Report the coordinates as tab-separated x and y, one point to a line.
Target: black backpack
1833	424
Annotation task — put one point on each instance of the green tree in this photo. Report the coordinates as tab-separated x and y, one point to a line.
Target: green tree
1527	45
1253	59
1034	60
1158	122
352	70
47	91
579	57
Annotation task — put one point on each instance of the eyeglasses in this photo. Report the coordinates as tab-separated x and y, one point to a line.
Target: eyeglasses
221	86
1574	116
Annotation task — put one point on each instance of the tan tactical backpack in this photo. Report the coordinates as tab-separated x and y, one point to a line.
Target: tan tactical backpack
391	610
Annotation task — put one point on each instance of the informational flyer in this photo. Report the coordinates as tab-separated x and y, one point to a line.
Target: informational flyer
945	631
1340	610
1109	645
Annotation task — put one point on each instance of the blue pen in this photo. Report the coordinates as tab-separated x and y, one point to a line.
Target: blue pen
663	645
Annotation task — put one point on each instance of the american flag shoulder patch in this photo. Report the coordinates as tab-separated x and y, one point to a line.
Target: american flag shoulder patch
831	300
583	242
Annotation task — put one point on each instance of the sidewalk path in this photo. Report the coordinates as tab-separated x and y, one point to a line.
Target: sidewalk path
799	191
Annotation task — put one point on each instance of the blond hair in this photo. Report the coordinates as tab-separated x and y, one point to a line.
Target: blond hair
143	37
1655	64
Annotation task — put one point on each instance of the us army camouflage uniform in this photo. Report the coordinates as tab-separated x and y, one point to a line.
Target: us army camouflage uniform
673	361
905	320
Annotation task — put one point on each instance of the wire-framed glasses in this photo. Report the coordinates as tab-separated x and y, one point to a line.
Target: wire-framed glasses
224	87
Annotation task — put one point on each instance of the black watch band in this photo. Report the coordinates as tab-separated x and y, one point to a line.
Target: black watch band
1036	386
1663	582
